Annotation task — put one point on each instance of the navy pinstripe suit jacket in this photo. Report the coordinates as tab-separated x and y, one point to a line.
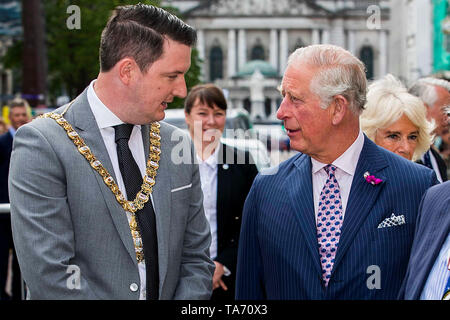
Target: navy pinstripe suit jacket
278	249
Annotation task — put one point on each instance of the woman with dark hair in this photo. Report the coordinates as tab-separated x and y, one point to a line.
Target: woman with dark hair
226	176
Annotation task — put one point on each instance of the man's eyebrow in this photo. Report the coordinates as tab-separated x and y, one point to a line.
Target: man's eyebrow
173	72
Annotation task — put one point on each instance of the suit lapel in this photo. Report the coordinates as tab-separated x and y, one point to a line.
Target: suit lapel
440	163
161	199
363	196
10	142
86	126
299	185
223	184
430	241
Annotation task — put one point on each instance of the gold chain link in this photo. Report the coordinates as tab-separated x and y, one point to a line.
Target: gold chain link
148	182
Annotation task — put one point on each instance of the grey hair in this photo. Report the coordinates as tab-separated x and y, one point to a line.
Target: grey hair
387	101
339	73
425	89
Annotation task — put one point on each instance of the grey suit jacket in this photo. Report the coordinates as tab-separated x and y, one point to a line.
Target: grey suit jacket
65	219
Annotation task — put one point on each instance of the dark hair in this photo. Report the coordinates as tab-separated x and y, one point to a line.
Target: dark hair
208	94
139	31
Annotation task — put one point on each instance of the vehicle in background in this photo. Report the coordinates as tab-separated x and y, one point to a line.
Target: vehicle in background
256	148
238	133
272	134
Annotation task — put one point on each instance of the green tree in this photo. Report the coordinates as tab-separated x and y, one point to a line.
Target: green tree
73	54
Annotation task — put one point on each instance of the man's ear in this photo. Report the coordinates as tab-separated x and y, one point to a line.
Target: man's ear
339	107
127	69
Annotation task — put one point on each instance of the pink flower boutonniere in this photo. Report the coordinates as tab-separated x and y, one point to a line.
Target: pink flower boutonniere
372	179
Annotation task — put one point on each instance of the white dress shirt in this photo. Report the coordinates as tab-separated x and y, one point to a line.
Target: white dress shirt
208	178
106	120
345	170
438	277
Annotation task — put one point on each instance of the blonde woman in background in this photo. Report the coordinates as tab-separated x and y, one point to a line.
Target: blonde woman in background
396	120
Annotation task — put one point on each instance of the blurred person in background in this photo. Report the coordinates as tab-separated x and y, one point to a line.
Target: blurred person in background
18	116
3	126
444	148
435	94
395	119
226	175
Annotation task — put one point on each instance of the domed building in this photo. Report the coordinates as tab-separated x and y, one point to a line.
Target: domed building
241	40
254	88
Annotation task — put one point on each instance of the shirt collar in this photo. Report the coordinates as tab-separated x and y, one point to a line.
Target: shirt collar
12	131
212	160
347	161
103	115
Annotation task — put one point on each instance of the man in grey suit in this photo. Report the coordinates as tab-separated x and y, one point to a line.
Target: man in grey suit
72	171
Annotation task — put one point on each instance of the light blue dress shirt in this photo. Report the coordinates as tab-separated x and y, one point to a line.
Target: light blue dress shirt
438	277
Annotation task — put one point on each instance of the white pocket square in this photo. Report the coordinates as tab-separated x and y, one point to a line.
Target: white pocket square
392	221
181	188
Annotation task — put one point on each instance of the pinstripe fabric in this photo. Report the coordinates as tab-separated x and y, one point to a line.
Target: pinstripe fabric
433	227
435	286
278	256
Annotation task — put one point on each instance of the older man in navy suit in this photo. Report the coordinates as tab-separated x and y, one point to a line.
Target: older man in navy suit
337	220
17	116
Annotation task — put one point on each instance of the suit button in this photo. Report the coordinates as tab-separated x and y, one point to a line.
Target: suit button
237	218
232	240
134	287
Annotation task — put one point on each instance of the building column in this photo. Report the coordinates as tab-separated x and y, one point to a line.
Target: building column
239	104
325	36
383	53
242	49
284	50
337	35
273	109
201	51
231	59
9	82
274	48
315	37
351	42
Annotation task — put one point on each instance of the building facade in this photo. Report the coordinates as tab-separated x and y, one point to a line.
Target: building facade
441	38
420	39
235	36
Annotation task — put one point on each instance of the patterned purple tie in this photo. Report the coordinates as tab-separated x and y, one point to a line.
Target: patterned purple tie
329	221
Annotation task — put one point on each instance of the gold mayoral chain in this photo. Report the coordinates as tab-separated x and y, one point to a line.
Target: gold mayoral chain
148	182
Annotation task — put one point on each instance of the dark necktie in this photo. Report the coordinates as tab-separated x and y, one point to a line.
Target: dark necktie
145	217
